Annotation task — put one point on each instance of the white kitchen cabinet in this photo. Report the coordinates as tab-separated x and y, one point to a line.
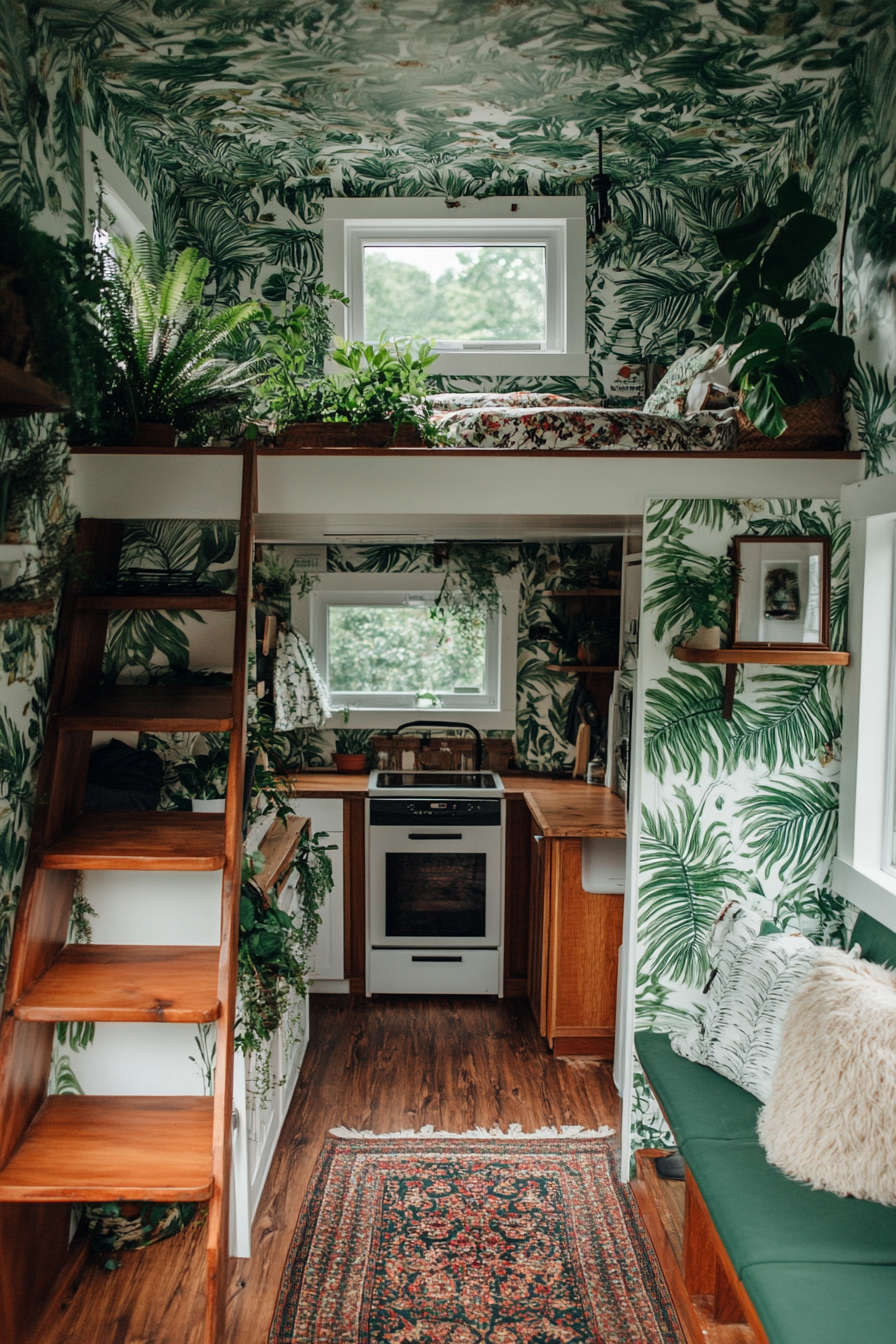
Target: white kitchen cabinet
327	957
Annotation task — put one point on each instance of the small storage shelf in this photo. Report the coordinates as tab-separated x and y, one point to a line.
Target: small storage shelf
731	659
571	668
773	657
20	611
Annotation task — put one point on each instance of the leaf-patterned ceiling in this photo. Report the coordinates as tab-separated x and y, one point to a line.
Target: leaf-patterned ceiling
460	95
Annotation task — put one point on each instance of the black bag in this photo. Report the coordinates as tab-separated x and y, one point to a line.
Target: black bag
122	779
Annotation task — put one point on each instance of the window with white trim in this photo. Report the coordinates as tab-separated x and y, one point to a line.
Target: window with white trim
382	652
864	870
498	286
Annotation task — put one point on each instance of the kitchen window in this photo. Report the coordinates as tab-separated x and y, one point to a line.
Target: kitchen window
498	286
383	653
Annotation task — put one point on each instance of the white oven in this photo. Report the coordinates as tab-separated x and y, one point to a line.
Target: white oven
435	894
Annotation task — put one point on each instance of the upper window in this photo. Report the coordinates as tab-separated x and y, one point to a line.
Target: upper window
498	286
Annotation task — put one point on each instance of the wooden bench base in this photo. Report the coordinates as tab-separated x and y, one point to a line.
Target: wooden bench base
711	1302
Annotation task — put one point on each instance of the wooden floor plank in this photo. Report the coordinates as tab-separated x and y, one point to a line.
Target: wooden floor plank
161	841
158	709
382	1064
103	1148
105	982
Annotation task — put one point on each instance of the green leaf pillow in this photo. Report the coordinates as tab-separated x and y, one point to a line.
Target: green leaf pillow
671	393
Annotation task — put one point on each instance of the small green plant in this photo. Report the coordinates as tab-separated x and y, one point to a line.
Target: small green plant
799	356
354	742
203	775
296	345
274	584
598	640
163	342
691	591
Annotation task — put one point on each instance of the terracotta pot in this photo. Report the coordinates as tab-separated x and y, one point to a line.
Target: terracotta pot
340	434
354	763
148	434
705	637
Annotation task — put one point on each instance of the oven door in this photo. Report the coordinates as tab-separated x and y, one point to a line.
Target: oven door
435	885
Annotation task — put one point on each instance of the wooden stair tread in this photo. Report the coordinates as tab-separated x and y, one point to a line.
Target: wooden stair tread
99	1149
97	982
157	602
161	841
160	709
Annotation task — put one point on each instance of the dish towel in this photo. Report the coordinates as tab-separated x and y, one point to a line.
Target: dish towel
300	695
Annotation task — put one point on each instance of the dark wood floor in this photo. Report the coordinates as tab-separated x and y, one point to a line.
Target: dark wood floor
380	1064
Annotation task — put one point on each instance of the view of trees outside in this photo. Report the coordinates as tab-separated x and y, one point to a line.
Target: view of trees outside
440	292
402	649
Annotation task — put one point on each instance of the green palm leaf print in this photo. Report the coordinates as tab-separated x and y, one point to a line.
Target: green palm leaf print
792	824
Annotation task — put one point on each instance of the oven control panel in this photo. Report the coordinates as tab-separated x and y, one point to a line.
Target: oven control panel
435	811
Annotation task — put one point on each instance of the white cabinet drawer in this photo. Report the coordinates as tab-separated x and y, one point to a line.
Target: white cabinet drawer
326	813
429	971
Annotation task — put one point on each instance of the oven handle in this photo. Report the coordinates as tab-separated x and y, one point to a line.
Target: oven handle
436	958
435	835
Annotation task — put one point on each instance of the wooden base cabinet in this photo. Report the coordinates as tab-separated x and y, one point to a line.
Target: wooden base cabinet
574	948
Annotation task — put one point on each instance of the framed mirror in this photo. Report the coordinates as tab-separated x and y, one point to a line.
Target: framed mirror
783	593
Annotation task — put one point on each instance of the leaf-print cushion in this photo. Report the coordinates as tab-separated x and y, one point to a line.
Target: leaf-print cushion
670	395
754	978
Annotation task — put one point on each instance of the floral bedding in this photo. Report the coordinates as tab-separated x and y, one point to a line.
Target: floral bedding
529	420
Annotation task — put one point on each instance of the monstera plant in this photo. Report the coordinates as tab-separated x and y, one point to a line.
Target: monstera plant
782	345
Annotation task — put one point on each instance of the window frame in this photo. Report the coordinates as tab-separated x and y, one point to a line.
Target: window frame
863	869
494	708
558	223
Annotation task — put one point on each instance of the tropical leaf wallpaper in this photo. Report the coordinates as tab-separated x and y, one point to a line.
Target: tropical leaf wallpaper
745	806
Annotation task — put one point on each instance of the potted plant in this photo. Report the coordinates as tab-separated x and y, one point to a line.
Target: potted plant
379	400
782	364
351	752
581	638
48	338
163	343
694	597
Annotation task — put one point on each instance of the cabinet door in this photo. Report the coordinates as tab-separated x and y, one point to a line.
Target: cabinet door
327	957
586	930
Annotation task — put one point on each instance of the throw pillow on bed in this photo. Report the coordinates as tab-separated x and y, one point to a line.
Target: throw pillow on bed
829	1117
754	977
670	395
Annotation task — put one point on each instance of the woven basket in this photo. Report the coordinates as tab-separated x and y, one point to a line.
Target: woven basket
340	434
816	426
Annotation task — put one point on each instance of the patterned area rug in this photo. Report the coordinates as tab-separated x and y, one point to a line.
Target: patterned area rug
458	1240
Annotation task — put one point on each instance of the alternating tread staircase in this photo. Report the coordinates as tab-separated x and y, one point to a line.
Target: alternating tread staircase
71	1149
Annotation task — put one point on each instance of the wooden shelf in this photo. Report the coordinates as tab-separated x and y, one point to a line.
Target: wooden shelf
99	1149
571	668
772	657
581	592
129	841
157	602
97	982
278	848
22	393
19	611
158	709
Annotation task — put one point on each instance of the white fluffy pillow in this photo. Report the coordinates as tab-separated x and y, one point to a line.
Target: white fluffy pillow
830	1114
739	1033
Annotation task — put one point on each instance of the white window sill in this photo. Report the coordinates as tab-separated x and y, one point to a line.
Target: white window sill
871	889
391	718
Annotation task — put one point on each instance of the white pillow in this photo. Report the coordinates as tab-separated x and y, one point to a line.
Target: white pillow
739	1034
829	1118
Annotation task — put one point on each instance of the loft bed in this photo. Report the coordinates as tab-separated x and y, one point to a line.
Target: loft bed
545	422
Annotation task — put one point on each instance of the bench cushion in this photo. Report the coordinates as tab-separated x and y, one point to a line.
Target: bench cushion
824	1304
698	1102
764	1218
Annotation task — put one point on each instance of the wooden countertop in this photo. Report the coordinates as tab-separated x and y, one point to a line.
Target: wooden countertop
561	807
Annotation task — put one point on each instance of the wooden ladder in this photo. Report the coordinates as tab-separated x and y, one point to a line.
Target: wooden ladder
59	1150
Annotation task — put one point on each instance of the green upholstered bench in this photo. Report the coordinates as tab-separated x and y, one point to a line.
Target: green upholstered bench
804	1266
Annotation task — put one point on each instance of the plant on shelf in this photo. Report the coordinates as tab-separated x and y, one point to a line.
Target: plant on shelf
165	346
353	750
782	345
48	290
272	964
274	583
582	638
692	595
601	568
296	345
201	776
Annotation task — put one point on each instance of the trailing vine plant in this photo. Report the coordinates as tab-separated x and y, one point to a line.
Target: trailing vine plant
469	593
272	966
